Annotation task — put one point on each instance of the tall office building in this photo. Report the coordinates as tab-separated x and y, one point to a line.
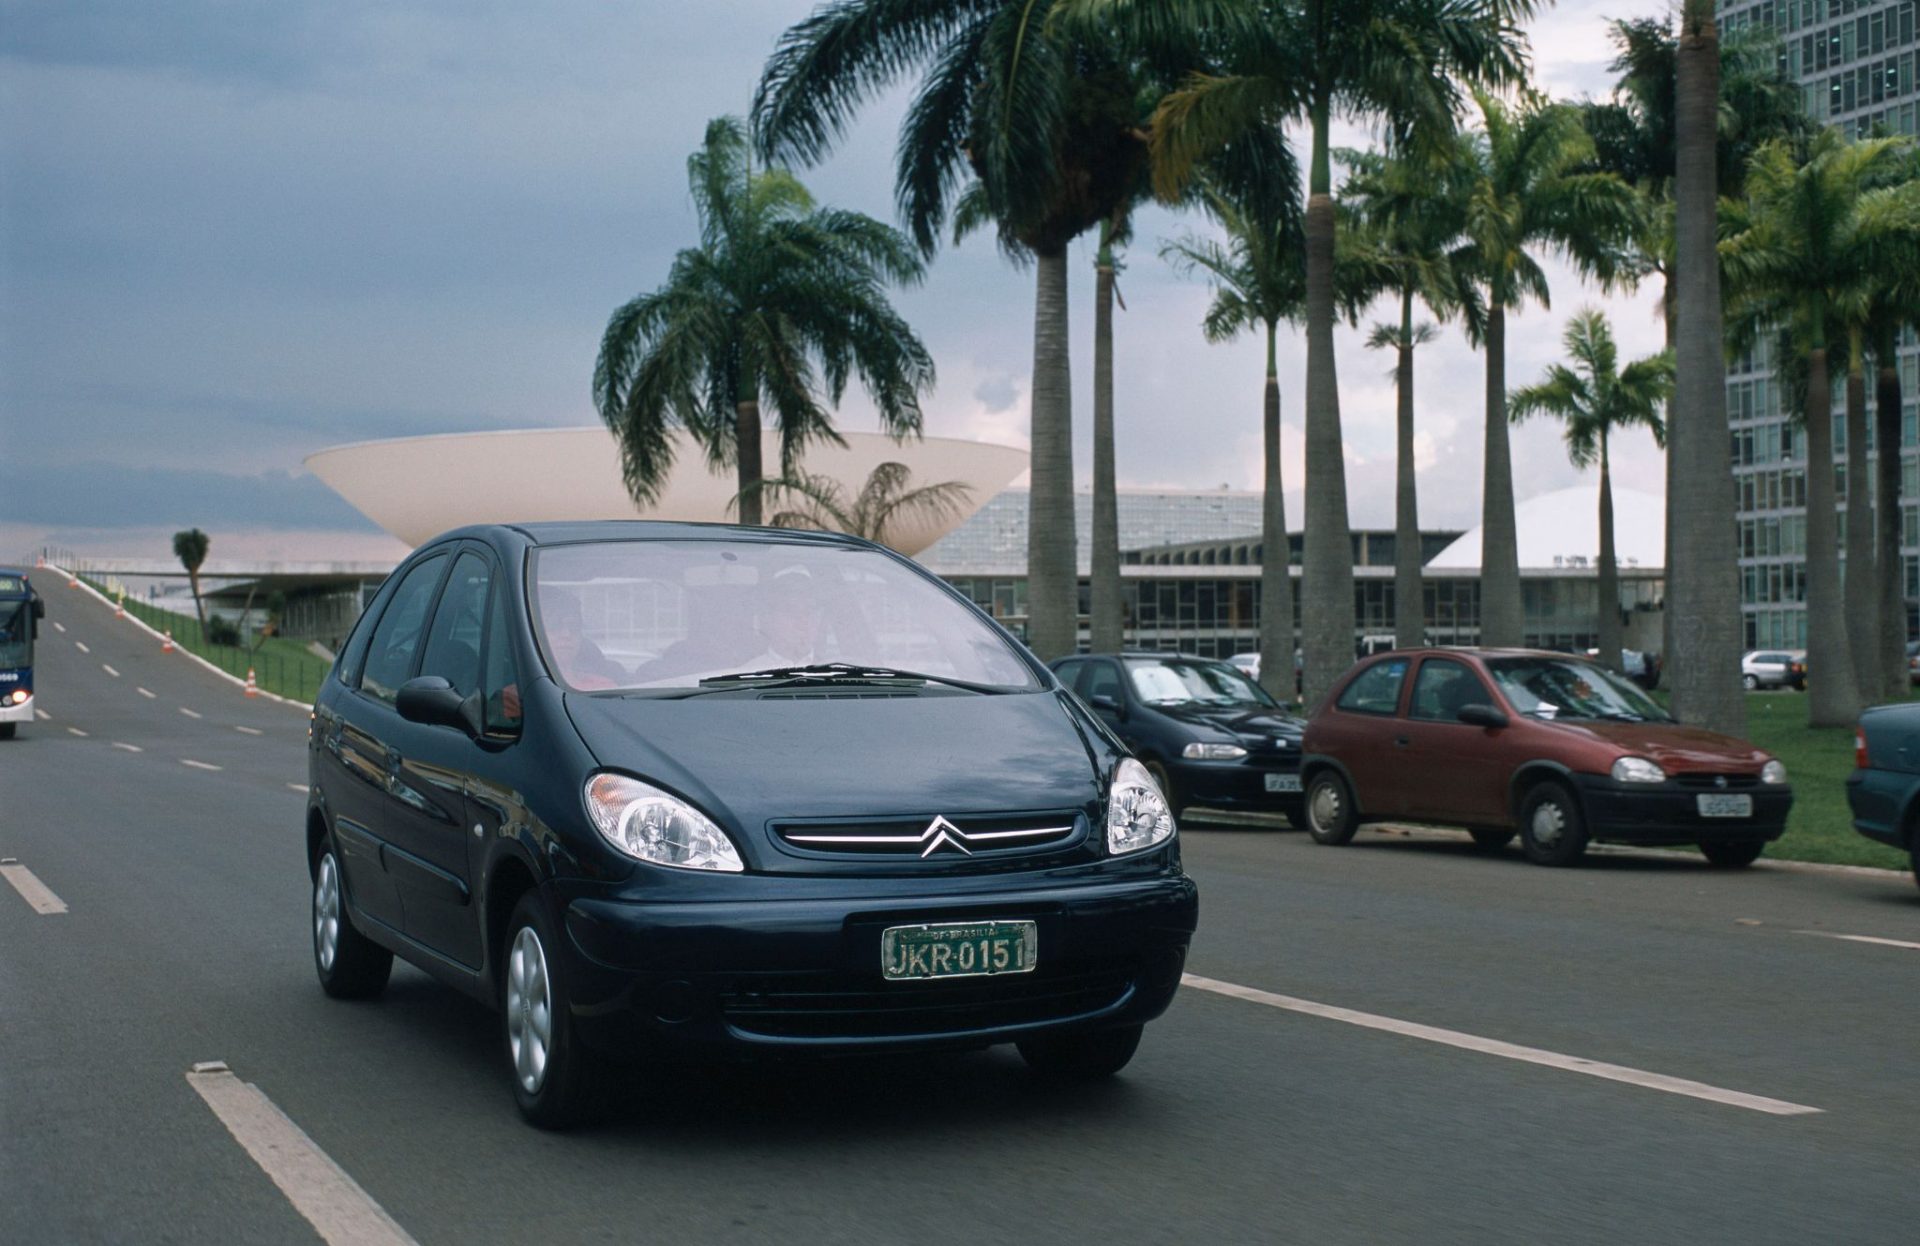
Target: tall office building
1854	60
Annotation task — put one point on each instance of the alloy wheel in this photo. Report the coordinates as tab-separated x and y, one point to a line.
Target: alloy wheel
326	911
529	1010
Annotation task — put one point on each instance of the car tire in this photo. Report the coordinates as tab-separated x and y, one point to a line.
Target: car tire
1331	817
1490	838
1165	780
556	1080
1750	682
1913	855
1732	854
1552	829
350	965
1083	1057
7	730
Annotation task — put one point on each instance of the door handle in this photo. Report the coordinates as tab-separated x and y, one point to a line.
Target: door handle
1401	741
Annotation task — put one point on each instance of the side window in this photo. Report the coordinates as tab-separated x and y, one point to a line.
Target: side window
353	654
453	643
1442	689
503	680
396	641
1069	673
1375	690
1101	680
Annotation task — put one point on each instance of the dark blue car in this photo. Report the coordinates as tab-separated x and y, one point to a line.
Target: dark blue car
1209	735
1884	789
658	787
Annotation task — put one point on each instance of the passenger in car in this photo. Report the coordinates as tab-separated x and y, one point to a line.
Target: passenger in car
582	664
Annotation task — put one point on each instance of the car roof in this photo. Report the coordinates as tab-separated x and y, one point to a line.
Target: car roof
571	533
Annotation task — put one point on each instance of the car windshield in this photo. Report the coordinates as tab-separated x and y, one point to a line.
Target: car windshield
1175	681
1547	687
15	622
669	614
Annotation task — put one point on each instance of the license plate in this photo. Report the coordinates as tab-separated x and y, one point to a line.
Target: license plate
1725	806
1283	783
959	950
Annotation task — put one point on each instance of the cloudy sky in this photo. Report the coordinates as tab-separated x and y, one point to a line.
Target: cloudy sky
233	233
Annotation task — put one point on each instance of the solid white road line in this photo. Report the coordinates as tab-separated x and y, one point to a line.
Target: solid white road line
109	670
81	645
61	628
143	692
76	731
1509	1051
189	713
249	731
31	889
319	1189
1823	934
131	748
197	765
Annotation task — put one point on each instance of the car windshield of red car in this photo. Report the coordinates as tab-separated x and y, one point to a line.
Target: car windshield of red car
1565	688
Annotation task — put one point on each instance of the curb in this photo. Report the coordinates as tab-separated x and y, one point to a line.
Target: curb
182	650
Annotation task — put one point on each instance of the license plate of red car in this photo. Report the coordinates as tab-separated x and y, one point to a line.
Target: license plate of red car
1725	806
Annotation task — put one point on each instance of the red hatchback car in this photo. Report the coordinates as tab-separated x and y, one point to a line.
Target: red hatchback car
1546	744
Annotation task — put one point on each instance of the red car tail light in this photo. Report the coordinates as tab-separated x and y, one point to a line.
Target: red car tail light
1860	758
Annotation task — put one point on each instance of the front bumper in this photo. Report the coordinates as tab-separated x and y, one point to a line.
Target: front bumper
804	973
1668	813
1238	784
21	713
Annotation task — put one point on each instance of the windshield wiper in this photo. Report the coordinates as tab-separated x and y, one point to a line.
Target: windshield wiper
839	672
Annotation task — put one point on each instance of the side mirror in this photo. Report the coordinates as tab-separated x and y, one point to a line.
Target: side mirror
1481	716
430	699
1104	701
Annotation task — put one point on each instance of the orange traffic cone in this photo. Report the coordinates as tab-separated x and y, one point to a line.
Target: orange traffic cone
252	690
73	580
120	605
39	562
166	646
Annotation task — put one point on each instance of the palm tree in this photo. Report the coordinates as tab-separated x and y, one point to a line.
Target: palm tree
1413	209
1038	125
1592	399
1895	306
1400	61
821	502
779	306
1812	239
190	547
1532	189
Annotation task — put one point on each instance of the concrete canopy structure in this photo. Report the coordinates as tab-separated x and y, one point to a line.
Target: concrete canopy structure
418	487
1561	530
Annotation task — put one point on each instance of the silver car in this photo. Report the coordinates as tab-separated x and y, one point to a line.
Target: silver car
1774	668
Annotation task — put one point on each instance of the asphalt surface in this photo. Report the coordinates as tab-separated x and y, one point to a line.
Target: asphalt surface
186	940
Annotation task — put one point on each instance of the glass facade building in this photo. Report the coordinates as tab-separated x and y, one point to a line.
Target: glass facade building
1855	62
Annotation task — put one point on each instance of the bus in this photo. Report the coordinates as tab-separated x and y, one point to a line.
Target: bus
20	613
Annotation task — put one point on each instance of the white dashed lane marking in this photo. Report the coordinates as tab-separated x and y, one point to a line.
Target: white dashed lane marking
249	731
1823	934
61	628
198	765
109	670
42	715
319	1189
1509	1051
81	645
143	692
31	889
76	731
131	748
189	713
298	787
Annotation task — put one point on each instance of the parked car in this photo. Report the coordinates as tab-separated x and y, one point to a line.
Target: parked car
771	836
1208	734
1884	789
1549	745
1249	665
1913	661
1774	668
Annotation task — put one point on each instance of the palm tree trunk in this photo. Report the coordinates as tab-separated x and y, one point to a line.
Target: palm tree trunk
1053	590
1501	620
1409	597
1327	568
1889	567
1666	566
752	474
1862	588
199	607
1276	555
1609	612
1703	575
1833	700
1107	622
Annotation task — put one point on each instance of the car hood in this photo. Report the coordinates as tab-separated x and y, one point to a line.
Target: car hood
749	760
1236	720
1674	748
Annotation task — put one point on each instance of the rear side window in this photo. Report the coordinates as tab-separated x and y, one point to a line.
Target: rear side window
1376	690
396	641
453	645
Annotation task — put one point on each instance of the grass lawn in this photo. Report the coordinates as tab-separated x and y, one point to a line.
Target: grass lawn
1818	761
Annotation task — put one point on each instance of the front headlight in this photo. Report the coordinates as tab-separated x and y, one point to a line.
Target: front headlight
1637	770
1212	752
1773	772
1137	814
650	825
20	696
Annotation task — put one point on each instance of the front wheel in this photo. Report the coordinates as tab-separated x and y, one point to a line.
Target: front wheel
555	1079
350	965
1552	829
1082	1057
1731	854
1331	817
1165	782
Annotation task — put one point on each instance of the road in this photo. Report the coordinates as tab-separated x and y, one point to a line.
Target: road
185	940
